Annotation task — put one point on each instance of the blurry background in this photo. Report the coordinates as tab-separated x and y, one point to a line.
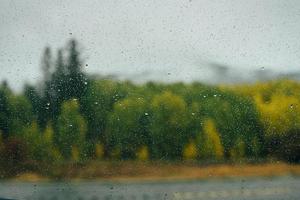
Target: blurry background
203	40
139	90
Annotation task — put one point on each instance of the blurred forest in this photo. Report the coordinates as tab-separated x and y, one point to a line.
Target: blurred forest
71	116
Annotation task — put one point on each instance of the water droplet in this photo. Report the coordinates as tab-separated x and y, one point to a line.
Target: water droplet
262	68
193	113
215	95
292	106
96	103
70	125
48	104
146	114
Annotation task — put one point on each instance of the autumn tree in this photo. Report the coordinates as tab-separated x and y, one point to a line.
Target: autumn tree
209	143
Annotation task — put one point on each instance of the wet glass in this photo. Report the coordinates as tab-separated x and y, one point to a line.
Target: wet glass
193	99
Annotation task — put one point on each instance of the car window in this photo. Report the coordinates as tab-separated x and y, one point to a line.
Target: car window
174	99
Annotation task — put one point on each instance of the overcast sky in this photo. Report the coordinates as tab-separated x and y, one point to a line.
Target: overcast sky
154	39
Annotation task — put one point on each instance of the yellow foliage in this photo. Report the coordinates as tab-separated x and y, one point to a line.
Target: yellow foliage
267	89
71	116
171	105
48	134
142	153
280	114
190	151
211	143
48	140
99	151
56	155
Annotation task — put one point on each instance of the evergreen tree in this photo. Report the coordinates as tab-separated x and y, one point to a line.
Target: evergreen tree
4	110
47	64
76	79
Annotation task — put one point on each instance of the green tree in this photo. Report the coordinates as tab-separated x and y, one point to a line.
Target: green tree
39	107
76	79
40	145
46	64
96	106
128	126
168	126
235	116
237	152
49	143
4	111
64	79
72	129
21	114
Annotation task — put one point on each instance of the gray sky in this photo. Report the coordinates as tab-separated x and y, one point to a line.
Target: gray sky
165	40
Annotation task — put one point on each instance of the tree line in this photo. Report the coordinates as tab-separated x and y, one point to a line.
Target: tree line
72	116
